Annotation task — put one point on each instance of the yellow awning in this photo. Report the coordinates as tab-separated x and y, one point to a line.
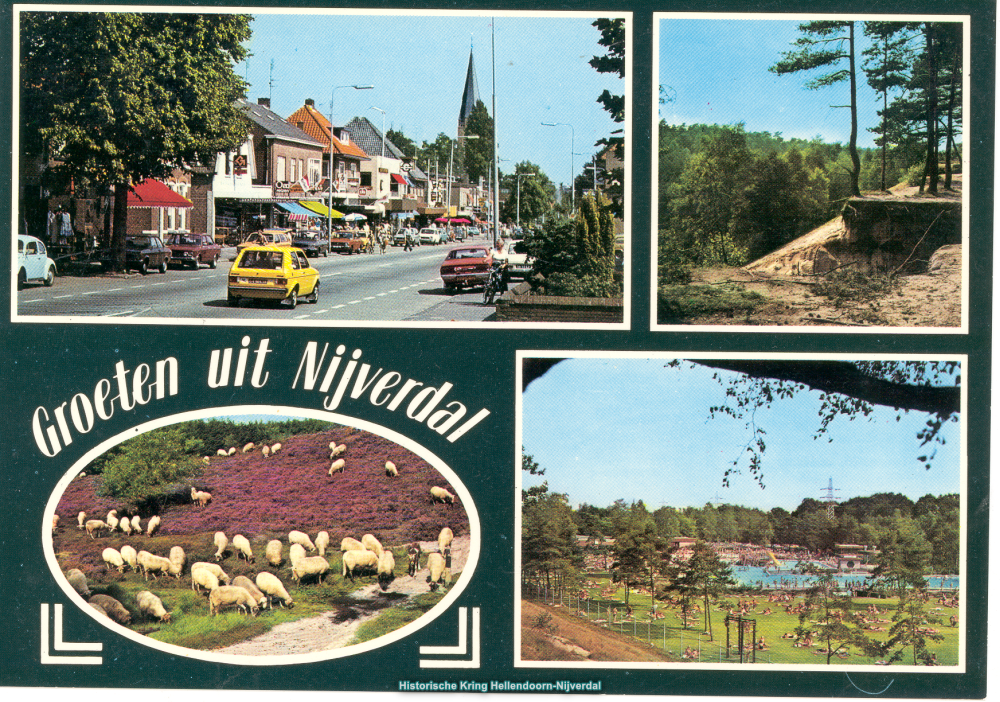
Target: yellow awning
321	209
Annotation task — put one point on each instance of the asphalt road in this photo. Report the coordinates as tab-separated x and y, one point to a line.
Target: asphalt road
397	286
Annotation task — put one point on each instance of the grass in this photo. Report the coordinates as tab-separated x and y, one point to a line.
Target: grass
394	618
679	303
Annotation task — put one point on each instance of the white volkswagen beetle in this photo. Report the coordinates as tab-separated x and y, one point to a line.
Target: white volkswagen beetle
33	264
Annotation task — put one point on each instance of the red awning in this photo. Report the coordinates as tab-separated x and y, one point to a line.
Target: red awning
151	193
396	178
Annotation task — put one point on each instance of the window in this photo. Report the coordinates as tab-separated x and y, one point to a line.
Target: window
366	180
279	170
314	166
294	174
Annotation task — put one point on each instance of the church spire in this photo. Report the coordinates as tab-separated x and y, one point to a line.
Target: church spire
470	96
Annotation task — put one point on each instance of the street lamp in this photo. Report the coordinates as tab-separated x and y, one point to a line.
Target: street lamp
329	202
451	161
519	176
572	168
594	168
380	164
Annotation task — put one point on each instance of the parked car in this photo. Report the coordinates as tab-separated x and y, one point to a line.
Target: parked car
145	252
33	262
266	237
459	233
272	272
350	241
445	236
312	242
430	235
466	265
193	249
519	263
401	237
473	232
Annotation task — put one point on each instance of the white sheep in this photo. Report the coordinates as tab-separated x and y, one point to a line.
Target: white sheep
150	563
81	519
296	553
272	587
298	537
130	557
386	566
440	494
152	524
221	541
336	467
99	609
248	448
125	525
78	581
390	470
201	497
136	524
151	605
358	561
444	545
177	559
55	521
349	544
95	526
113	559
322	541
206	460
266	451
372	544
439	572
310	565
112	520
202	578
273	552
222	452
213	568
112	607
336	450
231	451
248	585
275	448
242	546
230	596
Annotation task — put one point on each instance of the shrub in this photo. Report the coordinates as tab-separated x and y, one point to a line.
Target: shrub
570	285
678	303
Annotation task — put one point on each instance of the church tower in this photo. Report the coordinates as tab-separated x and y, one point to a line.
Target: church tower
470	96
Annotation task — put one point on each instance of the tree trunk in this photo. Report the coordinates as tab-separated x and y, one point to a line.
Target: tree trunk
931	166
119	227
855	160
950	133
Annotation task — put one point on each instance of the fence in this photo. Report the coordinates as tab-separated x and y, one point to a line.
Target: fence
674	640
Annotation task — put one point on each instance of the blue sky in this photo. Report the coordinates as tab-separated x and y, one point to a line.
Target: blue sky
718	71
418	63
609	428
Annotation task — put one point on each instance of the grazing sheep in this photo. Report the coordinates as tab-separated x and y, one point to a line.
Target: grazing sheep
372	544
275	448
80	519
112	607
150	563
248	448
349	544
297	537
358	562
322	541
272	587
95	526
212	568
55	521
413	554
151	605
130	557
390	470
444	545
229	596
386	564
336	467
205	460
112	520
112	558
242	546
222	452
221	541
201	497
266	451
310	565
439	494
248	585
336	450
125	525
273	552
202	578
296	553
177	559
136	525
99	609
439	572
231	451
78	581
153	524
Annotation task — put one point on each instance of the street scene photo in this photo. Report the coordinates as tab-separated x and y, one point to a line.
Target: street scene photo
722	512
811	172
185	165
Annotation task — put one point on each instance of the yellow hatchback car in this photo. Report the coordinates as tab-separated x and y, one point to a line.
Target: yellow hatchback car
272	272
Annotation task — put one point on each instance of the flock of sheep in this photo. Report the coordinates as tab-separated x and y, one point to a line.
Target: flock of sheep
366	557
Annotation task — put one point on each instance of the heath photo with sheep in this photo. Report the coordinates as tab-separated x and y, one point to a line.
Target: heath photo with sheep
261	535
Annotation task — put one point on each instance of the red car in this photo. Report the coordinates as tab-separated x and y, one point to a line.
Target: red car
466	265
193	249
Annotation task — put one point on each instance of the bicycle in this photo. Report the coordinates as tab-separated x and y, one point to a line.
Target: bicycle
496	281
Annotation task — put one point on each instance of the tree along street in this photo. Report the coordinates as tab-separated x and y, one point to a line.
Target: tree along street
397	286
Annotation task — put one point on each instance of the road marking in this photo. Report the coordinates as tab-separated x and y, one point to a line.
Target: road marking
339	306
26	301
164	283
394	291
353	302
368	298
322	311
114	289
59	297
92	292
381	294
301	316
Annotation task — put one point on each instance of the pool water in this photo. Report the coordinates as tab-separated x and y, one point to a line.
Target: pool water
775	580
